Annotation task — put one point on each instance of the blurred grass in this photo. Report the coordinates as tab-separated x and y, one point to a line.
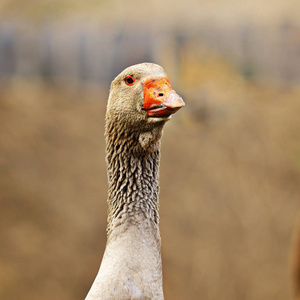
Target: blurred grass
229	187
157	13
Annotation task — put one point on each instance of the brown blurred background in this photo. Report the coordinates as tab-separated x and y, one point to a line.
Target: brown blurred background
230	169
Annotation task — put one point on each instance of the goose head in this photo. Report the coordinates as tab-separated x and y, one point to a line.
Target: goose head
140	101
142	95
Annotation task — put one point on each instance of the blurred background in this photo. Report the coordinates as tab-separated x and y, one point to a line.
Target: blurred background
230	167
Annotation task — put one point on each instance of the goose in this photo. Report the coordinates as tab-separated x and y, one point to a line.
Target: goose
140	102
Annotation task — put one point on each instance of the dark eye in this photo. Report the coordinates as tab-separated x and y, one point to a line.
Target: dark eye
129	80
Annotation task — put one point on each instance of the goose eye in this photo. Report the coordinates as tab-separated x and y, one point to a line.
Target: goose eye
129	80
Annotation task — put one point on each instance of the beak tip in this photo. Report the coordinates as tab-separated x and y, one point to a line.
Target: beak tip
174	101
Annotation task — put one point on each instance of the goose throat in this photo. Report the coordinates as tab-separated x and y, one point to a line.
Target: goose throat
133	178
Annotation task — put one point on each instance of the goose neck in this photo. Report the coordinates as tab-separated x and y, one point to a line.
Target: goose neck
133	183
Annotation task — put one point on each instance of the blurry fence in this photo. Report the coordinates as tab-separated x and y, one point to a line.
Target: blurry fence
97	54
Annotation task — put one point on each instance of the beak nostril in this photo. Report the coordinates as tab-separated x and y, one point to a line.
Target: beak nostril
160	94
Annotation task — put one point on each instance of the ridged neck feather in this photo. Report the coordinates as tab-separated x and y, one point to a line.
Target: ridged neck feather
133	169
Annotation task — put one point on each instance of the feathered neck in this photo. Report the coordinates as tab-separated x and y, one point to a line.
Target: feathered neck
133	169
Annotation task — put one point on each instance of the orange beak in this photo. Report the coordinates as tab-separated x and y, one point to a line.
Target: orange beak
160	100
